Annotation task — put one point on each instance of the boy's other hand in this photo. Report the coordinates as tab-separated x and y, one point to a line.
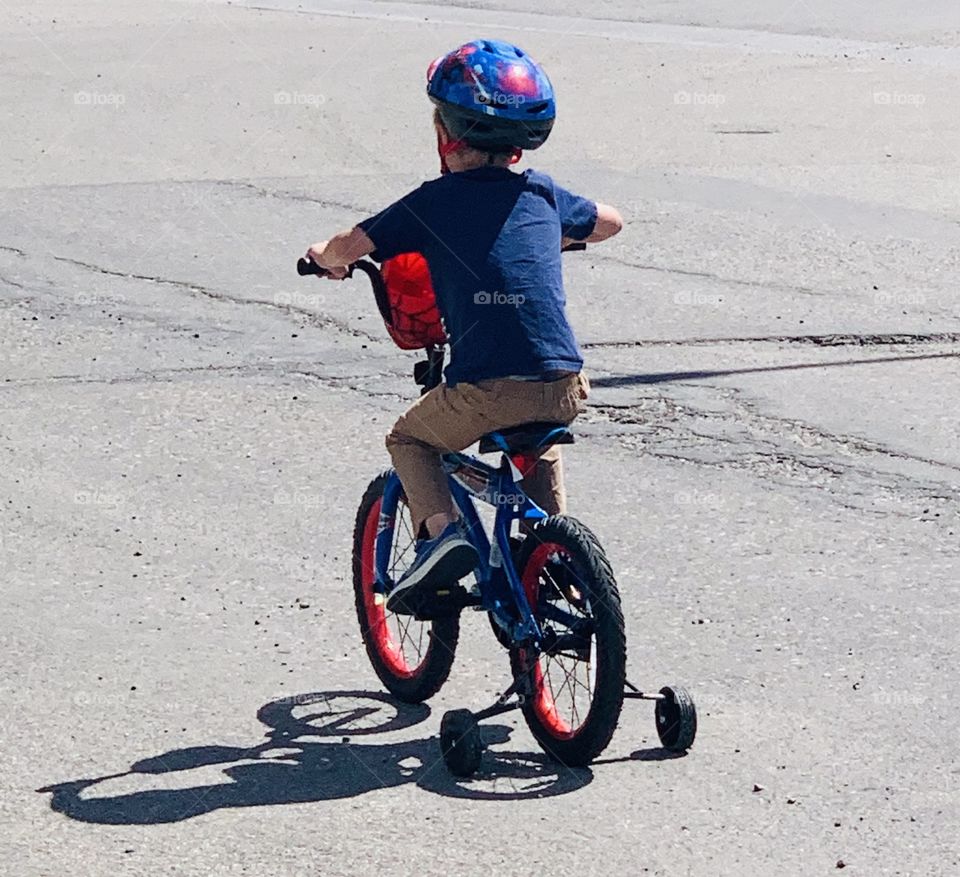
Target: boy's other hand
342	250
316	254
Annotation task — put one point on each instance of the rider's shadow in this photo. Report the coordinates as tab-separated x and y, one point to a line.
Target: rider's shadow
298	762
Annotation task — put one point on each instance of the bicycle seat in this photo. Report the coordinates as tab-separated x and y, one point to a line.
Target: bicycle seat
526	437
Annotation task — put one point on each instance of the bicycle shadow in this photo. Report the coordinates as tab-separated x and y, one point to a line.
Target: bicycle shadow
295	764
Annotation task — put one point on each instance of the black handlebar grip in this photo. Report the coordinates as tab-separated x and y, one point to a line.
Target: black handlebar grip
305	267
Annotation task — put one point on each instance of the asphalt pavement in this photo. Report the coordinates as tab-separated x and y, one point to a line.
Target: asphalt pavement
771	455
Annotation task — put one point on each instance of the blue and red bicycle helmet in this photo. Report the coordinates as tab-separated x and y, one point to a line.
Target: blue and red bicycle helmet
492	96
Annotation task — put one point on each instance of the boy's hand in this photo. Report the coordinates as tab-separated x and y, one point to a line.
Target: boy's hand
316	254
340	252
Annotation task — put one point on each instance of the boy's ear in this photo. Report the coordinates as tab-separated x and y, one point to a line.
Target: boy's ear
443	135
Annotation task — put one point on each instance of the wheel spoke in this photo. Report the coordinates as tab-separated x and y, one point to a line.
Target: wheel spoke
408	642
573	696
570	617
553	695
566	680
423	628
404	634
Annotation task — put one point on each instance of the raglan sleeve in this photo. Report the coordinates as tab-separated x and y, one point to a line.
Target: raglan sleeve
578	216
401	227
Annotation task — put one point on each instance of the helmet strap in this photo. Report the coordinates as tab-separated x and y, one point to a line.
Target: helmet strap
444	149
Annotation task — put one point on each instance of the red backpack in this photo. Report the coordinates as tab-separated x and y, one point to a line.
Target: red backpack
407	302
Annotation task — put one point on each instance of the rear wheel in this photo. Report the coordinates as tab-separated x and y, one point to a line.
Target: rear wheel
412	658
578	676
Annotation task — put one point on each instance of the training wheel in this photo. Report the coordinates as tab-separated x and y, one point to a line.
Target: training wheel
676	719
460	742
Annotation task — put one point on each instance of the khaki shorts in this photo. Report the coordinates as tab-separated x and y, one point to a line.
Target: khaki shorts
453	418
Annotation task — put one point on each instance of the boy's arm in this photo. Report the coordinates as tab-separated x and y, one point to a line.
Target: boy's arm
341	251
609	222
392	231
583	220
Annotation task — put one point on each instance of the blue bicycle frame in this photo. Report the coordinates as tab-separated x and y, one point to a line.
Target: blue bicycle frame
501	591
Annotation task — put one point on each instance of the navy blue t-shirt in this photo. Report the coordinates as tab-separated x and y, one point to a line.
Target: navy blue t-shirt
492	240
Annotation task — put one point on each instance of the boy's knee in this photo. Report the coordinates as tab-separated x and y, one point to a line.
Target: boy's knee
395	442
396	435
400	433
396	439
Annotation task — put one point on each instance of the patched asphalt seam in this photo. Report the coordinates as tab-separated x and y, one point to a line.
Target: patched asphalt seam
874	339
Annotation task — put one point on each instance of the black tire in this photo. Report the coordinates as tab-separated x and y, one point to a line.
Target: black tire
676	718
460	742
442	634
597	593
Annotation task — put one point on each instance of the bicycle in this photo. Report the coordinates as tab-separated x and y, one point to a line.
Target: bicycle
549	592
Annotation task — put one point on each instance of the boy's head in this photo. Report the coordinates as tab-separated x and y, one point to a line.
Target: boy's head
490	97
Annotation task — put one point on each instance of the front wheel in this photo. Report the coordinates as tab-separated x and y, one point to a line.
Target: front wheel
412	658
577	677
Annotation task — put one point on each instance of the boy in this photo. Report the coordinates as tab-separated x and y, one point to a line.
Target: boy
492	239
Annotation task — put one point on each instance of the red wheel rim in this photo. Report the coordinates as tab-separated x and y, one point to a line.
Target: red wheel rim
389	647
544	703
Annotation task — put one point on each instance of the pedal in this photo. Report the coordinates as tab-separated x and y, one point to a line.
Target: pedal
576	640
430	605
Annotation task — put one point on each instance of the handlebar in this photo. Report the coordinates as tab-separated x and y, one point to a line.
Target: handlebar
306	267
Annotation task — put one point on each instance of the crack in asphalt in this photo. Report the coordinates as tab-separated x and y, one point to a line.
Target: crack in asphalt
159	375
294	196
786	471
708	275
749	415
312	317
866	339
759	448
280	369
343	384
8	282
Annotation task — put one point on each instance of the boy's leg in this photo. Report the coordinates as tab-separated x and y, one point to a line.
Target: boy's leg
441	420
563	401
544	482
